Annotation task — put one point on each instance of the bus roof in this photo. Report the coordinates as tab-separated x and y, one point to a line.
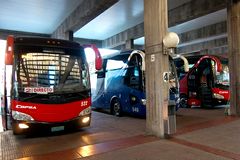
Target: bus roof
120	55
45	41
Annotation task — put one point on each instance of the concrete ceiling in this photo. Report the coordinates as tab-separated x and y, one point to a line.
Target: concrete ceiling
213	18
123	15
44	16
38	16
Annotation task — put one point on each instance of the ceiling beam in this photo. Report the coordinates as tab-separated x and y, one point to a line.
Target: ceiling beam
98	43
120	39
4	33
193	10
84	13
214	31
204	46
186	12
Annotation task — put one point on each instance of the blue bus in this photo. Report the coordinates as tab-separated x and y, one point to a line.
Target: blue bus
120	85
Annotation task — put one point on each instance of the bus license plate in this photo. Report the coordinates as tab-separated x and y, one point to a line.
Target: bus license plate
58	128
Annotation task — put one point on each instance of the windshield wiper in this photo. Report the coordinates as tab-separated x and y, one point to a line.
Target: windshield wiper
29	97
83	93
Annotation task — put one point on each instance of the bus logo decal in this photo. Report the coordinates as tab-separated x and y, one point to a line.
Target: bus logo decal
26	107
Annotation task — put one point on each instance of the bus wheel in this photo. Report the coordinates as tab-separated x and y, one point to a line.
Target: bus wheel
15	130
183	101
116	107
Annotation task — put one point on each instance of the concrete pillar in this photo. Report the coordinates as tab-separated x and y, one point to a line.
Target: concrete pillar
69	35
233	19
155	28
129	44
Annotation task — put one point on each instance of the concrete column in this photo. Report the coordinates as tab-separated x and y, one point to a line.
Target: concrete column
233	19
129	44
69	35
155	27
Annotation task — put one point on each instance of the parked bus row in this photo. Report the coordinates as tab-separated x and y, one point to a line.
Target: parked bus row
120	85
47	84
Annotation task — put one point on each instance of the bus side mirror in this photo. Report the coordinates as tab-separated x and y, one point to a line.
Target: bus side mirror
98	58
9	51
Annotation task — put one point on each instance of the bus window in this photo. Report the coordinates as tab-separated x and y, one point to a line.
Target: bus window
223	77
114	64
133	75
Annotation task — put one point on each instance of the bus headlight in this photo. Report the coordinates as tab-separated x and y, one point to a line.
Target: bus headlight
85	120
217	96
23	126
86	111
143	102
21	116
133	98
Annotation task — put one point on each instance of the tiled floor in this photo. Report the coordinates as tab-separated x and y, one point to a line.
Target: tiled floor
201	134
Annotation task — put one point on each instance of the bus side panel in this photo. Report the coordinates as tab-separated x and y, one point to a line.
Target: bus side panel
113	88
98	98
116	88
135	102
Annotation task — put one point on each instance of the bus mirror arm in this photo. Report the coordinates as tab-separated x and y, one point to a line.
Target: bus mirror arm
98	58
186	64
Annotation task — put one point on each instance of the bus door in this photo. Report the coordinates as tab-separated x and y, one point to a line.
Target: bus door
134	79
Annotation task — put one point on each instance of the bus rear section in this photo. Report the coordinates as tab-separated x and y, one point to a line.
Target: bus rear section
120	86
50	85
206	84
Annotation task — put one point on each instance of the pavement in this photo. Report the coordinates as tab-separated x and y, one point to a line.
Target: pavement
202	134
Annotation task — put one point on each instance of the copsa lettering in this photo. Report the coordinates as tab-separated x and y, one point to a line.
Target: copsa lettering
26	107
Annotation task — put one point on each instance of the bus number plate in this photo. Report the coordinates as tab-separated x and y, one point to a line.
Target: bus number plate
58	128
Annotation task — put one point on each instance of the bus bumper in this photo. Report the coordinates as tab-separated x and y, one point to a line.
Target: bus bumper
24	127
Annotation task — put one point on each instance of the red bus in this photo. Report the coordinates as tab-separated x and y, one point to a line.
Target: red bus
206	83
47	85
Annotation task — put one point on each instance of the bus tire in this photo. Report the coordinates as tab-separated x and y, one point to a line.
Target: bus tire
15	131
183	101
116	108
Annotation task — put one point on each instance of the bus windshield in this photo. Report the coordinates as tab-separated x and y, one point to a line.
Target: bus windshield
223	77
46	74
